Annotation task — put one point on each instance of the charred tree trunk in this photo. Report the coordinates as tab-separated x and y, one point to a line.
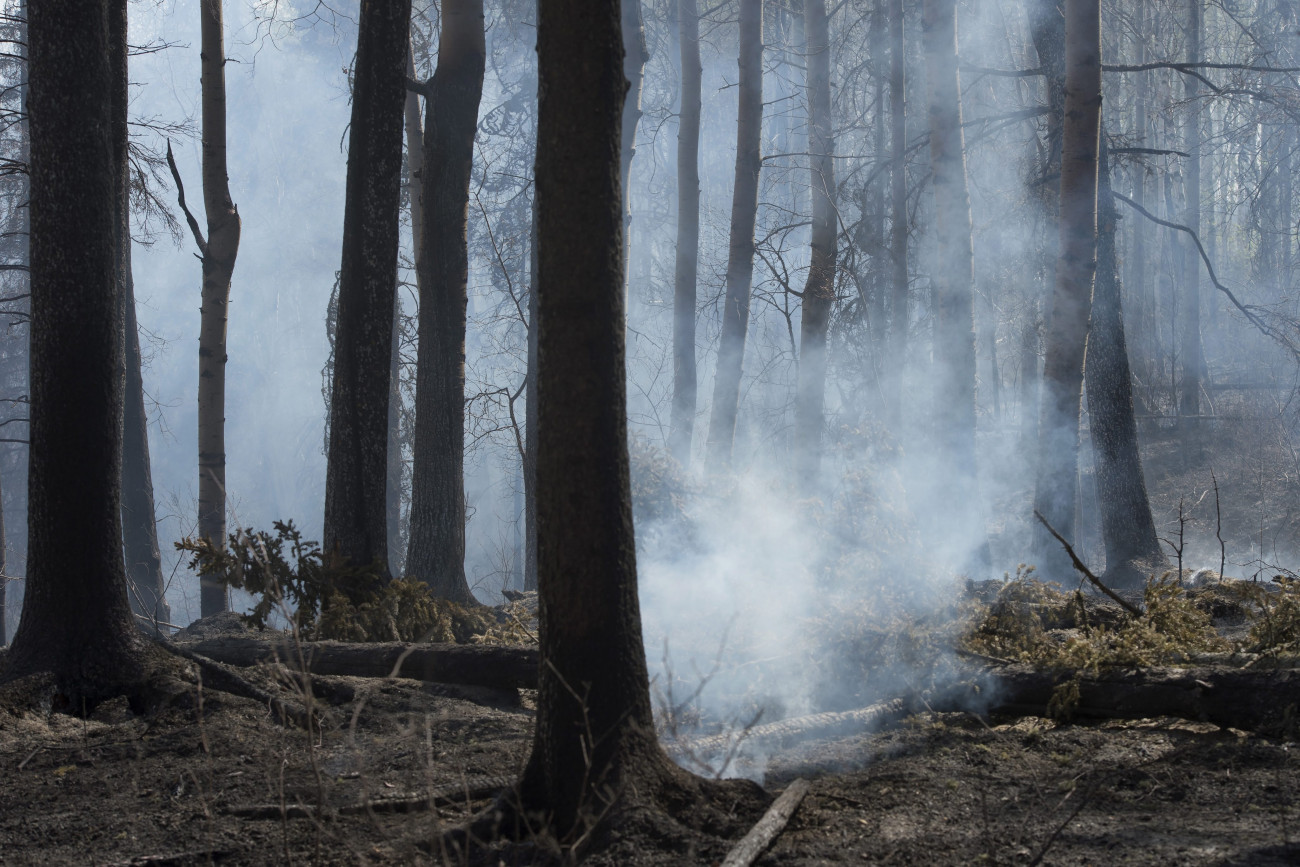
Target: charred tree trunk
356	477
900	321
635	56
1132	550
740	253
219	252
819	291
1067	333
959	519
76	622
685	382
437	551
594	744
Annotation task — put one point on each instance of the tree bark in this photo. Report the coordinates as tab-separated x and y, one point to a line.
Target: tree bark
819	290
957	518
220	250
530	415
900	320
356	530
1192	355
76	622
685	382
635	56
595	729
740	253
1067	333
1132	551
437	549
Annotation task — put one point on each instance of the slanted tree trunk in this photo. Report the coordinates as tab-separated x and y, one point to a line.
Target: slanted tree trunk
819	290
357	472
685	383
1067	333
594	750
898	226
957	519
437	550
76	622
1132	550
740	253
218	252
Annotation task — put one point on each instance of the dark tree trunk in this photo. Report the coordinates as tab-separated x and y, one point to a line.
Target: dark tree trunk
957	517
819	291
898	226
76	622
1191	352
635	56
740	252
437	551
1132	550
685	382
219	252
595	740
1067	333
357	472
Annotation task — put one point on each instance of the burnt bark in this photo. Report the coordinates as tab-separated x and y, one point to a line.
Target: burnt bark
1067	333
437	547
740	251
957	517
594	743
1132	550
218	254
76	623
356	516
819	290
685	285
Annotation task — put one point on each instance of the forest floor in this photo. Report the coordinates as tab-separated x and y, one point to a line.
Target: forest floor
205	782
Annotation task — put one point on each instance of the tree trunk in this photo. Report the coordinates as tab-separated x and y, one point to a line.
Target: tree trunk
218	265
740	253
900	321
595	736
1132	550
530	415
819	290
1067	333
685	383
1193	357
957	519
635	56
76	622
437	550
356	526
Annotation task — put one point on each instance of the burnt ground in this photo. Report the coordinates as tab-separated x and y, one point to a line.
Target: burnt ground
936	789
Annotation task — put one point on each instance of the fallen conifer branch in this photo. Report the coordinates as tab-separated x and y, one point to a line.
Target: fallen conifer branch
475	664
1087	573
769	827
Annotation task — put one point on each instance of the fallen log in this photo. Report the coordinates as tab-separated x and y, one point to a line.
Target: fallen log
1261	701
452	794
789	731
477	664
760	837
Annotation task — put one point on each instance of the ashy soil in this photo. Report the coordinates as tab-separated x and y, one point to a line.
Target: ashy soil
176	789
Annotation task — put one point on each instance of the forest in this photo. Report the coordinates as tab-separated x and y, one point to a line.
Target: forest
649	432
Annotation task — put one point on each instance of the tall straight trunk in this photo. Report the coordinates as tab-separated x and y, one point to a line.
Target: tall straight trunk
875	201
1193	357
740	251
437	550
898	228
530	414
685	382
635	56
958	517
139	521
1139	287
1067	332
356	526
219	254
415	195
1129	533
819	290
76	622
